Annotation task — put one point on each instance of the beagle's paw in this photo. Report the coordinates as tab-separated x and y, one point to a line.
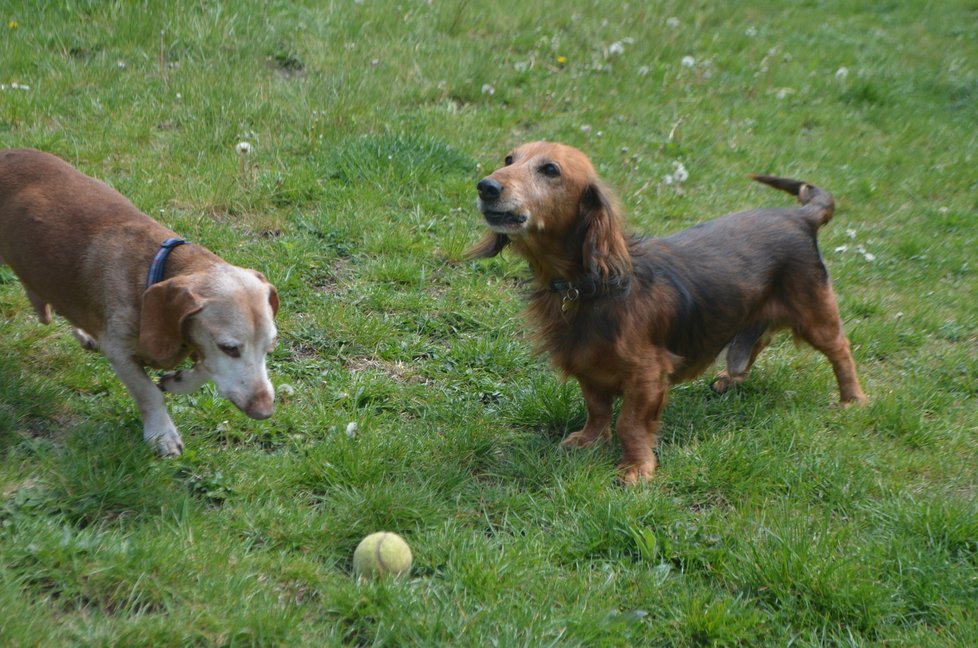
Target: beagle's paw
183	381
167	443
87	341
170	382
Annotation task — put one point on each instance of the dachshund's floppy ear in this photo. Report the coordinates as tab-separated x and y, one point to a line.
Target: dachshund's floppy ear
605	248
490	245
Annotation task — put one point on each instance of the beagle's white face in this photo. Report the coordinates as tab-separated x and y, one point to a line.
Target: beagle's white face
232	335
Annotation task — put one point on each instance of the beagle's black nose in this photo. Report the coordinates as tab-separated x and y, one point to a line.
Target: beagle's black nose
489	189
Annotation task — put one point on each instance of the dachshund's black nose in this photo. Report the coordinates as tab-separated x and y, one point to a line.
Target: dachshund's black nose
489	189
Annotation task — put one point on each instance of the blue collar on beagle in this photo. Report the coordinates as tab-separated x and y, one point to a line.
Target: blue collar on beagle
155	274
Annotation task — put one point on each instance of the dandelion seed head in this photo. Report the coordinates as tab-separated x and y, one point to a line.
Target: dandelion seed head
688	61
286	390
243	148
680	174
672	22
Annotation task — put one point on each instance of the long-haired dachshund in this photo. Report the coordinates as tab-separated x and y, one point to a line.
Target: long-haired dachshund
628	316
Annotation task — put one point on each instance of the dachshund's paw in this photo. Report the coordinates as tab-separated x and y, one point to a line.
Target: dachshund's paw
859	400
724	381
632	474
580	439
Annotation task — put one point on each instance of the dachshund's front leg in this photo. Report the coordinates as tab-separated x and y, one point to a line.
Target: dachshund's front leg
599	406
638	427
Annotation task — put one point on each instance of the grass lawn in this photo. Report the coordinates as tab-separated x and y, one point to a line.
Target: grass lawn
774	519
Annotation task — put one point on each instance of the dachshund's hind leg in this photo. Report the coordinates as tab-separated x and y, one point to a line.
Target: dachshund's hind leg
741	353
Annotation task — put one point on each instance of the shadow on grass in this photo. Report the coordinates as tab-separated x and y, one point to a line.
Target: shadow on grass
27	406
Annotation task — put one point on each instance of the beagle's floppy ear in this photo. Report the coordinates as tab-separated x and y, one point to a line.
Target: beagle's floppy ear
605	249
490	245
272	293
166	307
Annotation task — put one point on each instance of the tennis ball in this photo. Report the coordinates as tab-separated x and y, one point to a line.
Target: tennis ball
382	553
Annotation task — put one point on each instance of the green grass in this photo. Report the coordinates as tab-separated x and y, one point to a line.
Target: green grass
774	519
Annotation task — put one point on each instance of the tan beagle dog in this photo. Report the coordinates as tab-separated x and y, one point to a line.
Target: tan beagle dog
83	248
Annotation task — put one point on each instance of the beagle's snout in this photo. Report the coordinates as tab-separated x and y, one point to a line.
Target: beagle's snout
489	189
260	406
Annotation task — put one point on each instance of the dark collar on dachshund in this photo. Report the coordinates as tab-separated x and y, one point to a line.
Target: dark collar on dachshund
155	274
589	288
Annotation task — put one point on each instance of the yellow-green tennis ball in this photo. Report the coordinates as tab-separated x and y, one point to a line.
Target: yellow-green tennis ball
382	553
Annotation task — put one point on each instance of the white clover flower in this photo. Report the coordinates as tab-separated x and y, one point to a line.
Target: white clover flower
842	73
243	148
841	249
869	257
751	31
644	70
616	49
783	93
351	429
672	22
487	89
585	128
688	61
851	233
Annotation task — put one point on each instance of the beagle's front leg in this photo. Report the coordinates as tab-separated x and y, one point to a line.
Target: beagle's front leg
158	429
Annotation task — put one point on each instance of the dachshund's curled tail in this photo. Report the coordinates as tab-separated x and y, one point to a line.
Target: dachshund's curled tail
818	204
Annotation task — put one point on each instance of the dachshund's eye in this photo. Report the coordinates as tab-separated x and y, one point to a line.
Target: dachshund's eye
509	160
550	170
231	350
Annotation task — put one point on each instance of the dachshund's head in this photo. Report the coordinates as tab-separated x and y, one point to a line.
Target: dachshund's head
550	204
